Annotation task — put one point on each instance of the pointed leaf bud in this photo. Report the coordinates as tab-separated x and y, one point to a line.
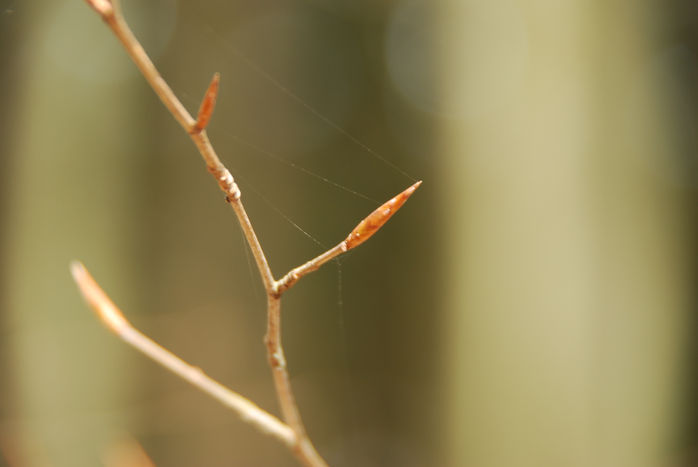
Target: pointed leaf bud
377	218
207	104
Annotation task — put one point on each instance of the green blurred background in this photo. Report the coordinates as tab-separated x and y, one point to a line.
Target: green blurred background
532	305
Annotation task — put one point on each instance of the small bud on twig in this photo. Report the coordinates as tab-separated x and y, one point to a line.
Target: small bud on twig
377	218
291	432
207	105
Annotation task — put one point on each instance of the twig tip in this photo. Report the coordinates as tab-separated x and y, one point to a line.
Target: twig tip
103	7
77	269
408	192
97	298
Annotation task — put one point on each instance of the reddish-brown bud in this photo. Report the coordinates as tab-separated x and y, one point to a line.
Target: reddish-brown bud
377	218
207	104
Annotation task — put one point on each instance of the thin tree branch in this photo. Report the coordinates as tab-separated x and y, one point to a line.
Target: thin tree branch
365	229
282	383
255	246
296	274
110	11
292	433
115	321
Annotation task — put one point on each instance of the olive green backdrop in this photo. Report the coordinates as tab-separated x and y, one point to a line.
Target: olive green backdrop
532	304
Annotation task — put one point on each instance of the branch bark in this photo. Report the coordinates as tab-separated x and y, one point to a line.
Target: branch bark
292	432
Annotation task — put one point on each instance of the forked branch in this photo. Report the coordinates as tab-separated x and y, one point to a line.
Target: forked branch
292	432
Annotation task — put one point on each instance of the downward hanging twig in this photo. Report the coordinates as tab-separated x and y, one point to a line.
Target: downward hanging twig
292	432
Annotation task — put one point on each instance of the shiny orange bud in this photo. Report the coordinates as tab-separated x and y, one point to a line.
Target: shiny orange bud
377	218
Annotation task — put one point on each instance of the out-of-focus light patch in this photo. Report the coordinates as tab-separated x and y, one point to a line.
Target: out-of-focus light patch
81	45
495	56
493	49
302	80
409	54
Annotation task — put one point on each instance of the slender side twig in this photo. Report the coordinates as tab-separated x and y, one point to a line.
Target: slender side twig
292	433
115	321
365	229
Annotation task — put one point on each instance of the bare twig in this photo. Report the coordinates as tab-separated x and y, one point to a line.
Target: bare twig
365	229
112	317
110	11
292	433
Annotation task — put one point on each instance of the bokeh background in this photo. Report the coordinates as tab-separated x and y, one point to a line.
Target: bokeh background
532	305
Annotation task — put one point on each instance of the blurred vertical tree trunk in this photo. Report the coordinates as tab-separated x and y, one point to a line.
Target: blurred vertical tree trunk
568	289
9	34
63	139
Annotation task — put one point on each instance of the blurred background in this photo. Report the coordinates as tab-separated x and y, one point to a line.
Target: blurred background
532	305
